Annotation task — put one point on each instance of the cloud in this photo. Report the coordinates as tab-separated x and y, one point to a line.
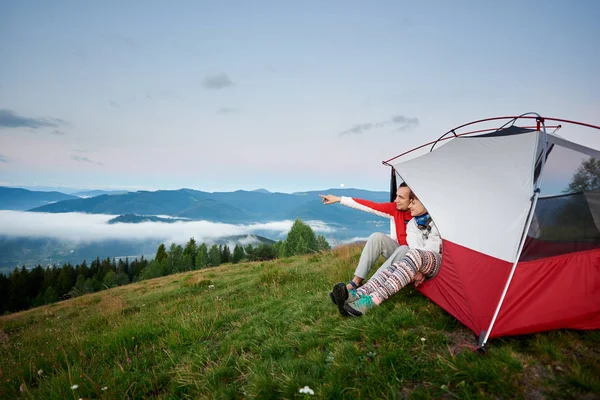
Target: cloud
216	82
401	123
9	119
357	129
226	110
57	132
79	227
3	158
84	159
113	104
404	123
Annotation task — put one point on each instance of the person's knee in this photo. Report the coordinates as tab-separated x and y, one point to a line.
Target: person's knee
377	237
413	254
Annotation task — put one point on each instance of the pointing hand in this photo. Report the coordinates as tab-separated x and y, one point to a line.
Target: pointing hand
329	199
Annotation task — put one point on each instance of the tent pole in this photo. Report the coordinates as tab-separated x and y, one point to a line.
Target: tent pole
534	200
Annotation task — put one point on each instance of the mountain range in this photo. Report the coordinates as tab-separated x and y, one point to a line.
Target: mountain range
165	206
239	207
23	199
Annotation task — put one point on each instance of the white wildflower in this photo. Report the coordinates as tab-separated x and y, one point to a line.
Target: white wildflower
104	388
74	387
307	390
211	286
423	339
40	372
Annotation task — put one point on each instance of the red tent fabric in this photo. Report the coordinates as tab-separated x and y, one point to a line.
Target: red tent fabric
545	294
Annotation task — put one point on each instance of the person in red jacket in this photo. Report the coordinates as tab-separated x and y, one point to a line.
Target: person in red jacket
392	247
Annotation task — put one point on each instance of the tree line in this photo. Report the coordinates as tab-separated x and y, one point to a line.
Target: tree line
25	288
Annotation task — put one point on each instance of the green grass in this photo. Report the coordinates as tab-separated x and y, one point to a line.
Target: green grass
265	330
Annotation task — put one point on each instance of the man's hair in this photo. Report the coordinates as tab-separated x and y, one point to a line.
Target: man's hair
403	184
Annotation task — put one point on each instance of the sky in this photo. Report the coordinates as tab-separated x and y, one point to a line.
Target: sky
286	96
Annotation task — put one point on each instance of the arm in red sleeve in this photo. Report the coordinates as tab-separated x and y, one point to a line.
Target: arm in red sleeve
386	210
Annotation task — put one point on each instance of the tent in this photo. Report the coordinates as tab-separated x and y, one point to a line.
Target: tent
521	235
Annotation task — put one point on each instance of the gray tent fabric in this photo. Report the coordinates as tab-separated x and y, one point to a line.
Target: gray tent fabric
593	199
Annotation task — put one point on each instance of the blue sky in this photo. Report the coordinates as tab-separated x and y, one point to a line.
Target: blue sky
286	96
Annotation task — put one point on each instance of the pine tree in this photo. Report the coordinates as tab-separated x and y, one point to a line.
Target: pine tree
4	288
282	250
265	252
202	256
17	299
322	243
109	280
79	288
300	240
161	253
189	255
238	254
249	250
50	296
121	267
66	280
214	256
154	269
92	285
175	259
225	254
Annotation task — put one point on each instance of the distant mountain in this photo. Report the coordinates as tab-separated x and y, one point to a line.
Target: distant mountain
94	193
136	219
23	199
60	189
230	207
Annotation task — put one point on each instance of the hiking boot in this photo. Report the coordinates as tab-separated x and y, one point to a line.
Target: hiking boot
359	307
339	295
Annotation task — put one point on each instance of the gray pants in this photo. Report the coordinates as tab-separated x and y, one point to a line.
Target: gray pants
379	244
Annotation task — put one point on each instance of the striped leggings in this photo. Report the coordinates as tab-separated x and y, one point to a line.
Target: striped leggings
389	281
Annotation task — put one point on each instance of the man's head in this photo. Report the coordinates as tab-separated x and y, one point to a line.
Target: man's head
402	199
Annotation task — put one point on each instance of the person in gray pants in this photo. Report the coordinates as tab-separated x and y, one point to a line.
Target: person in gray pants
392	247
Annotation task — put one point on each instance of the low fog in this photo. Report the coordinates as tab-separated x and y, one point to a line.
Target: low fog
80	227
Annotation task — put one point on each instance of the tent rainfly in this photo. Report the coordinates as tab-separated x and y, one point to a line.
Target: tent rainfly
521	253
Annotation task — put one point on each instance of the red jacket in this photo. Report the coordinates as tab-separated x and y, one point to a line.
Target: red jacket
398	218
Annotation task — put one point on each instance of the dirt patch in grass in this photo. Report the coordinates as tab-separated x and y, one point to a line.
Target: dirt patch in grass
532	380
460	340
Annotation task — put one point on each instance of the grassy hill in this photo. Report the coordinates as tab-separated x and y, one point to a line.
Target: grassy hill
265	330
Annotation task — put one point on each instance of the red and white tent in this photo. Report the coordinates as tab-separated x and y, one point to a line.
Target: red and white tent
517	258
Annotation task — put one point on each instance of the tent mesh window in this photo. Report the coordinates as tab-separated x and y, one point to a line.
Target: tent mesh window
567	215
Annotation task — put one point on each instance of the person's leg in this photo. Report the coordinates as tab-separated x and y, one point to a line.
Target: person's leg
394	278
342	294
396	256
427	262
378	244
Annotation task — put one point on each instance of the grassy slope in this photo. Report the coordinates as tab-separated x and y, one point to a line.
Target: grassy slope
267	329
